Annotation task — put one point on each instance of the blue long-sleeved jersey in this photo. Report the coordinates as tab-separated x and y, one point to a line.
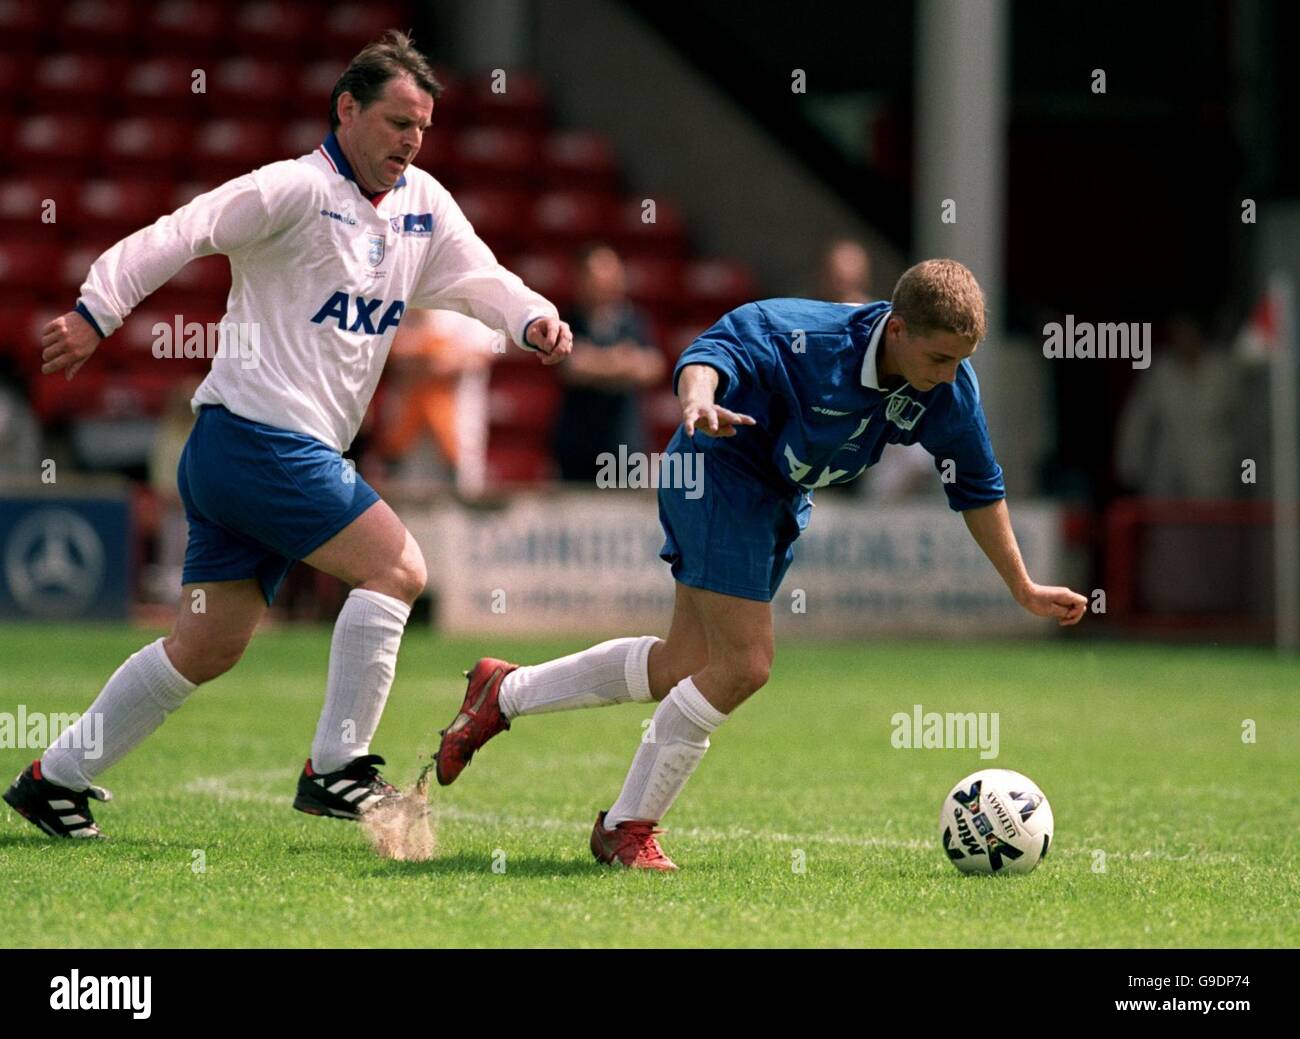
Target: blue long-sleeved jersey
806	372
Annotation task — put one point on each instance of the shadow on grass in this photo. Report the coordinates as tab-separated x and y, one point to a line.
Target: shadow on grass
465	864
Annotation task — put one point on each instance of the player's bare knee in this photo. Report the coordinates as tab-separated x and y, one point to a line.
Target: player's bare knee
204	661
753	674
745	674
403	580
410	577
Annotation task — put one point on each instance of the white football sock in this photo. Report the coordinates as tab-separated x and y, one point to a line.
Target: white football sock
613	672
363	658
135	701
672	746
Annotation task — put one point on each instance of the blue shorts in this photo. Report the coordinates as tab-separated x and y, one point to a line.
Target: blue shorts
737	538
259	498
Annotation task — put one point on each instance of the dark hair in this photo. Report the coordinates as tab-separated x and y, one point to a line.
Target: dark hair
393	54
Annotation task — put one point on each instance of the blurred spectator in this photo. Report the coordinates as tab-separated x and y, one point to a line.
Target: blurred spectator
611	361
20	436
1178	434
435	418
163	580
846	272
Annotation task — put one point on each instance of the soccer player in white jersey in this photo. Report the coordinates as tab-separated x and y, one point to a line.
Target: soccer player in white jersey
326	252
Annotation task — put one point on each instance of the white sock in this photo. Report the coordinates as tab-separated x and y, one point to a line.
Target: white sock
613	672
135	701
672	746
363	658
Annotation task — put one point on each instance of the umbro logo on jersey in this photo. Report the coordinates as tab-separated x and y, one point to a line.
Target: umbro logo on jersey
828	411
412	224
339	307
342	218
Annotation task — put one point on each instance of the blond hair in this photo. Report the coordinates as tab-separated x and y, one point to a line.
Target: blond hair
941	296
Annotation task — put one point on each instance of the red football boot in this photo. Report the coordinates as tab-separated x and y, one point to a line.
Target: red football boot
631	844
478	721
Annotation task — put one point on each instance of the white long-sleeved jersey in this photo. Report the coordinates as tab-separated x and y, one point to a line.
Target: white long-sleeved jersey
322	273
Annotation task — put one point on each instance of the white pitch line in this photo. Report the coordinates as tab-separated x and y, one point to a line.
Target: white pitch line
222	789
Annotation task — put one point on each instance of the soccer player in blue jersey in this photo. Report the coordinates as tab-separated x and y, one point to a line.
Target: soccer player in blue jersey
781	397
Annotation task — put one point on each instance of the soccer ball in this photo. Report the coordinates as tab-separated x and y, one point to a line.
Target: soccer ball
996	821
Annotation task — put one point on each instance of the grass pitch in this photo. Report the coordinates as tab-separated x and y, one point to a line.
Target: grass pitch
802	827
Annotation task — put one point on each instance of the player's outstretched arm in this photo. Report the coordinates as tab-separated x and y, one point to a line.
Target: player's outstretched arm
990	526
66	344
695	389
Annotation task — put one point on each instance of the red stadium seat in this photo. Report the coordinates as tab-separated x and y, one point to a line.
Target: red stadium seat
75	263
134	394
437	154
635	233
161	86
75	82
101	394
500	217
20	339
146	145
119	207
518	465
554	275
679	337
524	399
278	30
518	100
30	262
242	86
71	141
301	137
55	400
198	26
661	414
21	24
22	203
497	156
579	158
654	283
716	286
111	24
15	75
349	27
229	147
312	89
449	110
574	217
